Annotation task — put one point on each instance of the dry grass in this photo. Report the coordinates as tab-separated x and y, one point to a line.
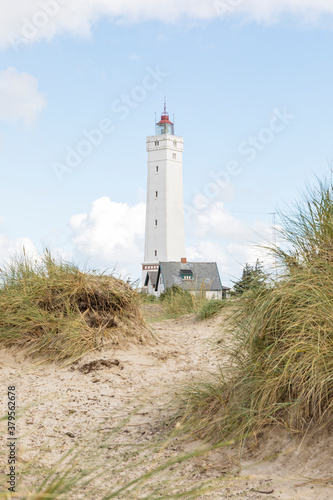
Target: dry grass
280	368
53	309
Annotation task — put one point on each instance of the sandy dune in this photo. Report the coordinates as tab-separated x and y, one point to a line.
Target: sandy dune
64	406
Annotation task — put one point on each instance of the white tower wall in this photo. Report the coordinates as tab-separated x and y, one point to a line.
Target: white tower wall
165	234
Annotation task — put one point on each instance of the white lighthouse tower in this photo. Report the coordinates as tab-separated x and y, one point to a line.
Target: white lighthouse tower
165	234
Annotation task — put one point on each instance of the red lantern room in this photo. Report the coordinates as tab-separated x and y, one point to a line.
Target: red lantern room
165	126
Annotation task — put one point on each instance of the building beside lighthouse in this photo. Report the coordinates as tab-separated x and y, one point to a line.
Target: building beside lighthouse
165	262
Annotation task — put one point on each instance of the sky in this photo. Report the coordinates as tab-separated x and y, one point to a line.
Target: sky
249	82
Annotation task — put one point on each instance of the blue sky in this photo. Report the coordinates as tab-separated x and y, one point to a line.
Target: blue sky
251	88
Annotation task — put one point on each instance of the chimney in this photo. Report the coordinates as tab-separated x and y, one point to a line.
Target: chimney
184	260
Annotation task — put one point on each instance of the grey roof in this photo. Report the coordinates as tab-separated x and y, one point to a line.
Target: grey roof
152	277
204	273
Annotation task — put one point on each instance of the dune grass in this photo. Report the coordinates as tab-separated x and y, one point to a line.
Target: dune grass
279	362
178	302
53	309
174	303
211	308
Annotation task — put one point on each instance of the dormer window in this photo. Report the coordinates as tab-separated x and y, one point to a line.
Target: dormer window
187	274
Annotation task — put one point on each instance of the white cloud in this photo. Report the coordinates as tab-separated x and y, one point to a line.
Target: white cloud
20	98
214	218
111	234
230	258
27	21
216	235
10	249
217	222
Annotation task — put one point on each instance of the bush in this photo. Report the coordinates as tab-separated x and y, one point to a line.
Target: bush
281	358
54	309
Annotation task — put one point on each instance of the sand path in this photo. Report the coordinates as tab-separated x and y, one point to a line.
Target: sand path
63	406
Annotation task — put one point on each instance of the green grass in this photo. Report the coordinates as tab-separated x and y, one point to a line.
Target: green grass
148	298
211	308
174	303
278	368
54	310
178	302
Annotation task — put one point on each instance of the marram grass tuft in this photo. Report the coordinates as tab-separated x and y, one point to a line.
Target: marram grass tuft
53	309
178	302
279	358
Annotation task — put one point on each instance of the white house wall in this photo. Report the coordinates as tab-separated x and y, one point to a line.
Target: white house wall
213	295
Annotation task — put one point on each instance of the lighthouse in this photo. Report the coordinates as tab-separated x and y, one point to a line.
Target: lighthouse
165	234
165	264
